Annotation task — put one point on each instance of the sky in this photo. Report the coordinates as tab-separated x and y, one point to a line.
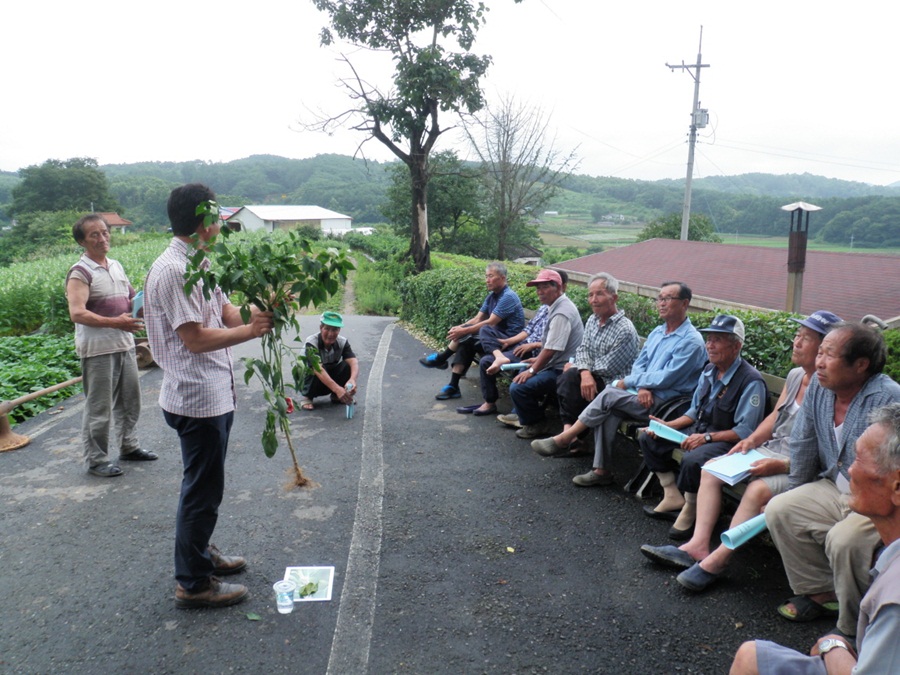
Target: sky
791	87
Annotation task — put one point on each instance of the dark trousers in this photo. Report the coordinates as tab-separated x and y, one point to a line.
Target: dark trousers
658	457
312	386
487	340
568	392
204	442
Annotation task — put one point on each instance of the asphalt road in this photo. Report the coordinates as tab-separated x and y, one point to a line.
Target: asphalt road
456	549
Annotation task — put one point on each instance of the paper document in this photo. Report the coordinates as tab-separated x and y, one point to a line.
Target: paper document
321	578
733	468
668	433
741	534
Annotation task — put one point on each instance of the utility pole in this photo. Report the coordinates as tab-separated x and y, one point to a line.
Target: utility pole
699	119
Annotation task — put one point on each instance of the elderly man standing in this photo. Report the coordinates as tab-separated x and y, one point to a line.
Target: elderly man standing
825	547
561	338
728	404
501	316
667	367
875	496
99	296
339	366
606	353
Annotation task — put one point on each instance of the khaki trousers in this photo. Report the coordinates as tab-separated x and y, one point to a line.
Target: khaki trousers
824	545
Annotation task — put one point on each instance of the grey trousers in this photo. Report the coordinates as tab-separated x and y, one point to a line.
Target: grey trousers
824	545
607	410
112	406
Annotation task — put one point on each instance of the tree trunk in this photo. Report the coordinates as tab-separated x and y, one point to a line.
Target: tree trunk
418	246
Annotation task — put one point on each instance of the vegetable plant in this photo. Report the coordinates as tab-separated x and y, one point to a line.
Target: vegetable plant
281	276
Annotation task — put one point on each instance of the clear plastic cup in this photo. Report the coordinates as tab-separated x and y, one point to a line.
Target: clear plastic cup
284	596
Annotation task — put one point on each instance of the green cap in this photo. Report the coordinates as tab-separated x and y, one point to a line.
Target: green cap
333	319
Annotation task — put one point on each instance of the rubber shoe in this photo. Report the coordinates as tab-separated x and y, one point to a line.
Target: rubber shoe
670	556
510	420
528	431
696	579
216	594
447	392
432	361
105	470
545	447
591	479
224	565
139	456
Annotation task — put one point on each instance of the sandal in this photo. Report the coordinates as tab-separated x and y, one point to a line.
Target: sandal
306	404
807	610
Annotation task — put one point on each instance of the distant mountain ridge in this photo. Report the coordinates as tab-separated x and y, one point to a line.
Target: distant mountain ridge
771	185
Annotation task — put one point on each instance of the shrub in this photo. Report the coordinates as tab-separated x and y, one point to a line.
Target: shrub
47	360
892	368
376	288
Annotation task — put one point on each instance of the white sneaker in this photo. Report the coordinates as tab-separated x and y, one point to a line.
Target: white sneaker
510	419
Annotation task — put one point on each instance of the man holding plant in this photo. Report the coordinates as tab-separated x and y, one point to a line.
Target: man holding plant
99	296
191	337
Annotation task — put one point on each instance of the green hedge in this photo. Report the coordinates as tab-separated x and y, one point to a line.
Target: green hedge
452	292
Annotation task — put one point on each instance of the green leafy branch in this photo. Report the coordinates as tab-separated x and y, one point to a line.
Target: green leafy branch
281	276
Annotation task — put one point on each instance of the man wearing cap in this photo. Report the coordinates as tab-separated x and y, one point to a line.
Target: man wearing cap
768	476
501	316
874	495
728	404
666	369
825	547
339	366
562	336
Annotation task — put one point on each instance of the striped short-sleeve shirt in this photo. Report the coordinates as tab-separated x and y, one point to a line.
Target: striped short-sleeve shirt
109	295
194	385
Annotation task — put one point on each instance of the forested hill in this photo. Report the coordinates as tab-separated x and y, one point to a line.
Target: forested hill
750	203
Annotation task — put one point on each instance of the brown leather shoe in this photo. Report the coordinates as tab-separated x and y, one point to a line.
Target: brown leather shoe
223	565
216	594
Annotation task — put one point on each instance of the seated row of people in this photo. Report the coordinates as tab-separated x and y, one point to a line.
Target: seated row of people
808	440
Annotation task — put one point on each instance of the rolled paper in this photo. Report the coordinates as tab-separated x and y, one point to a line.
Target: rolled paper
514	366
741	534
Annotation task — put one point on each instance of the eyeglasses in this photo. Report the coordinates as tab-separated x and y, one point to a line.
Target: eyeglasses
663	299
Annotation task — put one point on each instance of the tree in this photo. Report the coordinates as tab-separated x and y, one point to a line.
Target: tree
522	167
700	228
56	185
428	80
453	204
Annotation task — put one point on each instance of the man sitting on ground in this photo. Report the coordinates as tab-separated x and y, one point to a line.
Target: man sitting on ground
606	353
728	404
826	549
561	338
875	495
501	316
667	367
338	365
769	476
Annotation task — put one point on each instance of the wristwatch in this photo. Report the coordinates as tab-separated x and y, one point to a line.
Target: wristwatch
826	646
531	370
708	438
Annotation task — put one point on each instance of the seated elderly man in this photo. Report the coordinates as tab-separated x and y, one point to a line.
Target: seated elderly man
827	549
606	353
666	368
561	338
875	495
339	366
728	405
500	316
525	345
768	476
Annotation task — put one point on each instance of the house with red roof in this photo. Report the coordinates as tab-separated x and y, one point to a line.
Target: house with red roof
852	285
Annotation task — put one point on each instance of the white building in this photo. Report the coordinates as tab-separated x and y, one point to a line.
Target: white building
285	217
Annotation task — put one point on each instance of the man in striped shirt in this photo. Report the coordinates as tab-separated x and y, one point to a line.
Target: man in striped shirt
191	339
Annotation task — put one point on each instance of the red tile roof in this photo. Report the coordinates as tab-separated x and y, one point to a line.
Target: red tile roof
114	219
849	284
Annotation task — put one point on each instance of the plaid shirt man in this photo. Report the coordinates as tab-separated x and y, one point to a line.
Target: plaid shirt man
609	350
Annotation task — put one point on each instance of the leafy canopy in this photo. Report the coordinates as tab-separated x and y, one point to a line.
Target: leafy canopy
700	228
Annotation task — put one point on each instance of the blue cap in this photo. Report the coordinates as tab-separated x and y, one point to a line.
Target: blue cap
819	321
725	323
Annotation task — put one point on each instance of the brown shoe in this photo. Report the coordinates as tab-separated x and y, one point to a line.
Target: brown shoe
224	565
216	594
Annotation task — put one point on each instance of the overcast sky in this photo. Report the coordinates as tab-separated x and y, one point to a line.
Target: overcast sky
793	86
